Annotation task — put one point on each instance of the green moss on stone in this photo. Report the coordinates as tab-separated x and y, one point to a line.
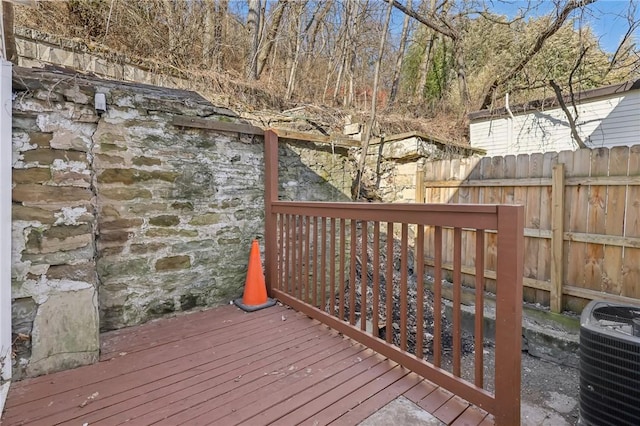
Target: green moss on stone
164	220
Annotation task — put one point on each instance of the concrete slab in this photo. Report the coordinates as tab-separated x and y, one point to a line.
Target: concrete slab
401	412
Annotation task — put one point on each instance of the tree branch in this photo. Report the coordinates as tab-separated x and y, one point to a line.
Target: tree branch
446	31
570	119
569	7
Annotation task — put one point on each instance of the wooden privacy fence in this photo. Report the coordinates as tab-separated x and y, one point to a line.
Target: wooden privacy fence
582	219
324	259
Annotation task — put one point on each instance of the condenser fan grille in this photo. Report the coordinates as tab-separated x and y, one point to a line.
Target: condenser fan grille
609	366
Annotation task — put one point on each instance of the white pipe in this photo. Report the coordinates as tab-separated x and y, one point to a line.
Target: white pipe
5	227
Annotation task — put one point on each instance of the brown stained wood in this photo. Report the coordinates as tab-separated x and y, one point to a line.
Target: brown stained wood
488	421
364	280
631	262
245	403
332	267
270	217
375	304
614	222
435	400
420	292
223	126
437	298
53	393
457	301
404	265
509	313
308	402
352	274
420	391
520	197
281	250
314	263
250	409
187	402
304	280
323	263
341	273
532	220
557	247
472	416
288	274
372	404
479	310
596	219
354	398
168	399
577	211
451	410
544	245
157	342
389	285
337	394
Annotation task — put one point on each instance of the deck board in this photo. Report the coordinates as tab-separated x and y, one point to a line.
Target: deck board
224	366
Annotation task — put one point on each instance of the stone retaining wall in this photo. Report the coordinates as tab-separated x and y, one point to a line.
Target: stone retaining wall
123	217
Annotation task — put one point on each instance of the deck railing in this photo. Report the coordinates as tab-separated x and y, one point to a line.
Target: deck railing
348	265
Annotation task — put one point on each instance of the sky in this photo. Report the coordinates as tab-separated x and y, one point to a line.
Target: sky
606	17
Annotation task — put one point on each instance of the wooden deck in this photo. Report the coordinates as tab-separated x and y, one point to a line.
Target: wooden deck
223	366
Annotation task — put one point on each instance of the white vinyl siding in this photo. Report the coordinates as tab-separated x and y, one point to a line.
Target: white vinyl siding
604	122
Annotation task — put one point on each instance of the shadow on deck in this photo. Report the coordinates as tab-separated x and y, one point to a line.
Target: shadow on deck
223	366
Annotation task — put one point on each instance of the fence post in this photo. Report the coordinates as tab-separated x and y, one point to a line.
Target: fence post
270	195
509	314
557	237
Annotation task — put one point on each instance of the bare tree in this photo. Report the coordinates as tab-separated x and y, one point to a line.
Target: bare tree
374	103
395	82
270	37
253	29
556	24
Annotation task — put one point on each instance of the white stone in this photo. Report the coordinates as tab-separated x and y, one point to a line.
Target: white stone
65	332
69	215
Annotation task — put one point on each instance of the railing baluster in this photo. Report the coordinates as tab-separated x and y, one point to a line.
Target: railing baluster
314	263
375	306
323	263
352	275
437	298
292	277
389	284
420	291
332	269
404	264
299	247
281	249
305	279
342	271
365	278
457	300
479	315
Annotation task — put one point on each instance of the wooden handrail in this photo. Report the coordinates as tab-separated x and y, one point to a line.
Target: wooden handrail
302	237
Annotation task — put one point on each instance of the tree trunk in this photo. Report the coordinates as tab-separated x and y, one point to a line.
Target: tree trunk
296	54
270	38
395	84
374	104
253	27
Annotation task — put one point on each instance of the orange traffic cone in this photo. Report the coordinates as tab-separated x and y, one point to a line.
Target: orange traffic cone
255	289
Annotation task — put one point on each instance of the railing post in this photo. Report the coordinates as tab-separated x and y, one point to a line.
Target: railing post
270	195
557	237
509	314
